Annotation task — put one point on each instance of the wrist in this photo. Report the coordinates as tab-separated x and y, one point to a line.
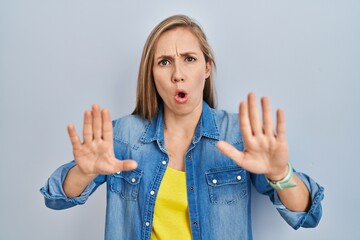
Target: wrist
278	177
285	182
75	182
82	175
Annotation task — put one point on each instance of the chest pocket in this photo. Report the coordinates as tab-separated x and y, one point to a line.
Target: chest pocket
126	184
226	185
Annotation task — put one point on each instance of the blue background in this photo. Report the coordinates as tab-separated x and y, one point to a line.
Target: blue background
59	57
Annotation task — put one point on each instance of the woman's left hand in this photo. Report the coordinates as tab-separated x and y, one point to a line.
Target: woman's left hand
265	151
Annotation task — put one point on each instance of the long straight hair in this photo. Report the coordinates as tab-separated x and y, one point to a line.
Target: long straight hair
147	97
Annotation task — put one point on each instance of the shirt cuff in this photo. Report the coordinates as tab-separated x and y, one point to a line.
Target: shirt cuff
53	192
308	219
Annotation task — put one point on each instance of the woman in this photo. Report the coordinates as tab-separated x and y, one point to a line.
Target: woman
177	167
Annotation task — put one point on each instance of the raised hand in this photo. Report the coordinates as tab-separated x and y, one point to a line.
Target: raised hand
265	151
95	154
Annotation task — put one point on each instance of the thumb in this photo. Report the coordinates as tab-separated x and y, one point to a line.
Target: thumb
230	151
125	165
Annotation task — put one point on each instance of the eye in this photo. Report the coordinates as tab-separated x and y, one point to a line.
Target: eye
164	62
190	59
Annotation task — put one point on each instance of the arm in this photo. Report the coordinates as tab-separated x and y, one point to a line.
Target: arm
266	151
72	183
297	198
53	192
308	219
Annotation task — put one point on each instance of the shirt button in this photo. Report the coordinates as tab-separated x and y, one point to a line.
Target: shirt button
152	192
214	181
195	224
147	224
189	157
238	178
163	162
133	180
191	188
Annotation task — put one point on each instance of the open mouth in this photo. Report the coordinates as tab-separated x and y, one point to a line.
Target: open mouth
181	96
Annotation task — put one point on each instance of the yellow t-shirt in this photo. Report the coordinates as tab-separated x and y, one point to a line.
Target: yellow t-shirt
171	219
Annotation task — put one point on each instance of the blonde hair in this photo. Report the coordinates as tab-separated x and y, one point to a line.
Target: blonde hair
147	97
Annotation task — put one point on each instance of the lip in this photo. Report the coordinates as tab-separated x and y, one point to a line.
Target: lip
181	96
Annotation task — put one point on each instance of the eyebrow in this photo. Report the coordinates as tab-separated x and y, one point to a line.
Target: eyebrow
171	56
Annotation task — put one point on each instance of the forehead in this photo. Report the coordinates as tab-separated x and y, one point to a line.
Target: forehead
177	40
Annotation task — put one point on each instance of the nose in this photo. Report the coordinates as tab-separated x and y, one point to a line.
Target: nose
176	80
178	74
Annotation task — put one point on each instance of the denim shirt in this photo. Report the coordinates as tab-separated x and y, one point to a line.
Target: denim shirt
218	190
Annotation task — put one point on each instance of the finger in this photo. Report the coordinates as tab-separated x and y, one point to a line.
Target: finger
125	165
74	138
280	125
87	130
107	125
254	115
240	158
244	121
97	122
267	117
230	151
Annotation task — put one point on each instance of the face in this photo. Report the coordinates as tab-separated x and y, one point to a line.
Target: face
180	72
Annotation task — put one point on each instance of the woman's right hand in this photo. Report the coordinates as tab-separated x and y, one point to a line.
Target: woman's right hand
95	154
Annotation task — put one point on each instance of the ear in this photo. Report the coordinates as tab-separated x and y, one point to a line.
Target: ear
208	69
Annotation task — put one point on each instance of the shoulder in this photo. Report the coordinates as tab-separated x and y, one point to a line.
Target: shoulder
225	119
129	127
129	120
228	125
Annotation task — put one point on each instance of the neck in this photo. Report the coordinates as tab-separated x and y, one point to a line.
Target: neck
184	125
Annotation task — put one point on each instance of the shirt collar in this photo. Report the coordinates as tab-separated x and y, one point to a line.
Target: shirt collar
207	126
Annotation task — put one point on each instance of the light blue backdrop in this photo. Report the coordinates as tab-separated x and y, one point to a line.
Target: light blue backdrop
59	57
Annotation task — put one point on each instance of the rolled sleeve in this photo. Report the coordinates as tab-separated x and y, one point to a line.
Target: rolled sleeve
53	192
307	219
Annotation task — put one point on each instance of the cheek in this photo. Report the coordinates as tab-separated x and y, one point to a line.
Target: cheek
200	84
158	79
161	85
202	76
160	76
159	88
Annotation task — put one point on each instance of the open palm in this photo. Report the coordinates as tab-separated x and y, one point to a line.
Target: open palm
265	151
95	155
